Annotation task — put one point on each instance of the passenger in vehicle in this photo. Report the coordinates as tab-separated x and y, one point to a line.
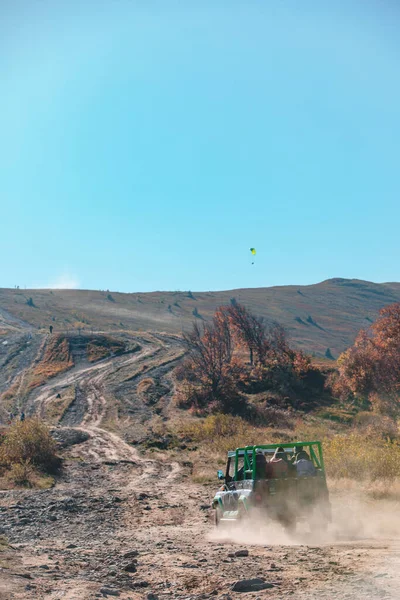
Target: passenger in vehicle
279	464
261	465
304	465
295	454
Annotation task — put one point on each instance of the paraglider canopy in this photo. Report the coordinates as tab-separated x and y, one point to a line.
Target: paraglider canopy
253	251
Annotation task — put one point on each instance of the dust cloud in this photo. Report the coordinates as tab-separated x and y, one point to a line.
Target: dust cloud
354	519
361	548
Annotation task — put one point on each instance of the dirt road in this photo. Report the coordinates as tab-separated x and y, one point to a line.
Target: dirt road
109	387
121	525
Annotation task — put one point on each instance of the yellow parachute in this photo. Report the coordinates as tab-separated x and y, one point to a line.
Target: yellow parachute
253	252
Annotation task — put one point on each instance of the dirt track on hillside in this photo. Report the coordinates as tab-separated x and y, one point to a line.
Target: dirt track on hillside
112	382
119	524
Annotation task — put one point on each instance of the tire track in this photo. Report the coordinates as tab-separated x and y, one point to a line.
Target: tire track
93	398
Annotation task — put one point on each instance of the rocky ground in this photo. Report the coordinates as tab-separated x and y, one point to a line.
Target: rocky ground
121	525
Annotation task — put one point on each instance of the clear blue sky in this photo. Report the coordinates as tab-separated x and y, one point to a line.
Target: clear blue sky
148	145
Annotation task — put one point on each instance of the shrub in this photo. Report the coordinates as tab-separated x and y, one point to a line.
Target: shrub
271	416
362	457
29	442
215	426
21	474
376	424
328	354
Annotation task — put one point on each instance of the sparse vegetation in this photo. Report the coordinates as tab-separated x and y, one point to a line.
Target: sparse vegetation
56	359
20	474
26	451
102	347
362	456
328	354
78	307
7	397
56	408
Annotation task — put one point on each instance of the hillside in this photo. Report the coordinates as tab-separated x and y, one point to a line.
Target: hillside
317	317
137	483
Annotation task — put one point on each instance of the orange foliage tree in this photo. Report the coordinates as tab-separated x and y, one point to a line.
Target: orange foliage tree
210	369
266	342
213	375
371	367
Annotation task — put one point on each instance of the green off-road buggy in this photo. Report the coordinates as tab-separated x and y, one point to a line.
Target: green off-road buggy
252	488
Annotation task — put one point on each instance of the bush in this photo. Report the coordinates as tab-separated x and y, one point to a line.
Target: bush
216	426
21	474
270	416
362	457
376	424
29	442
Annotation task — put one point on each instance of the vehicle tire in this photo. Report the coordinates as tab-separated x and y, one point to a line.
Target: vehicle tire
242	513
217	516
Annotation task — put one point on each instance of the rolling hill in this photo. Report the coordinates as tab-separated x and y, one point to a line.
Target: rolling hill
325	315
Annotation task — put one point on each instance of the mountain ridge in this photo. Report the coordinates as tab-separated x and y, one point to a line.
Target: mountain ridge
317	316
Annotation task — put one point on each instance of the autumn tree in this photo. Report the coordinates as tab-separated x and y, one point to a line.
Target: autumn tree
266	342
371	367
209	364
250	330
214	376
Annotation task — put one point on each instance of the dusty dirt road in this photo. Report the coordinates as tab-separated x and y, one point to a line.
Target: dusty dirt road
118	524
121	525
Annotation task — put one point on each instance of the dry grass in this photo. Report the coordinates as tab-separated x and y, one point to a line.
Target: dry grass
56	359
102	347
340	307
145	386
361	456
20	474
7	398
56	408
28	443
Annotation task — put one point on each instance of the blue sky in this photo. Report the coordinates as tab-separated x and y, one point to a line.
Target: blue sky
148	145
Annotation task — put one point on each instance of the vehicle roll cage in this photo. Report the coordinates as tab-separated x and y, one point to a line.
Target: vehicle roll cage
249	455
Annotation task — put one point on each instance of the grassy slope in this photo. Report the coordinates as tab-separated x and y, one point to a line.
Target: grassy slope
338	308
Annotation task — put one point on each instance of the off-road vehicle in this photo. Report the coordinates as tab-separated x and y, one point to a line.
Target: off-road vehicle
251	487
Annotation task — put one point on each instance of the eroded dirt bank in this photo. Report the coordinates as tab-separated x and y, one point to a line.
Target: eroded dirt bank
119	525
